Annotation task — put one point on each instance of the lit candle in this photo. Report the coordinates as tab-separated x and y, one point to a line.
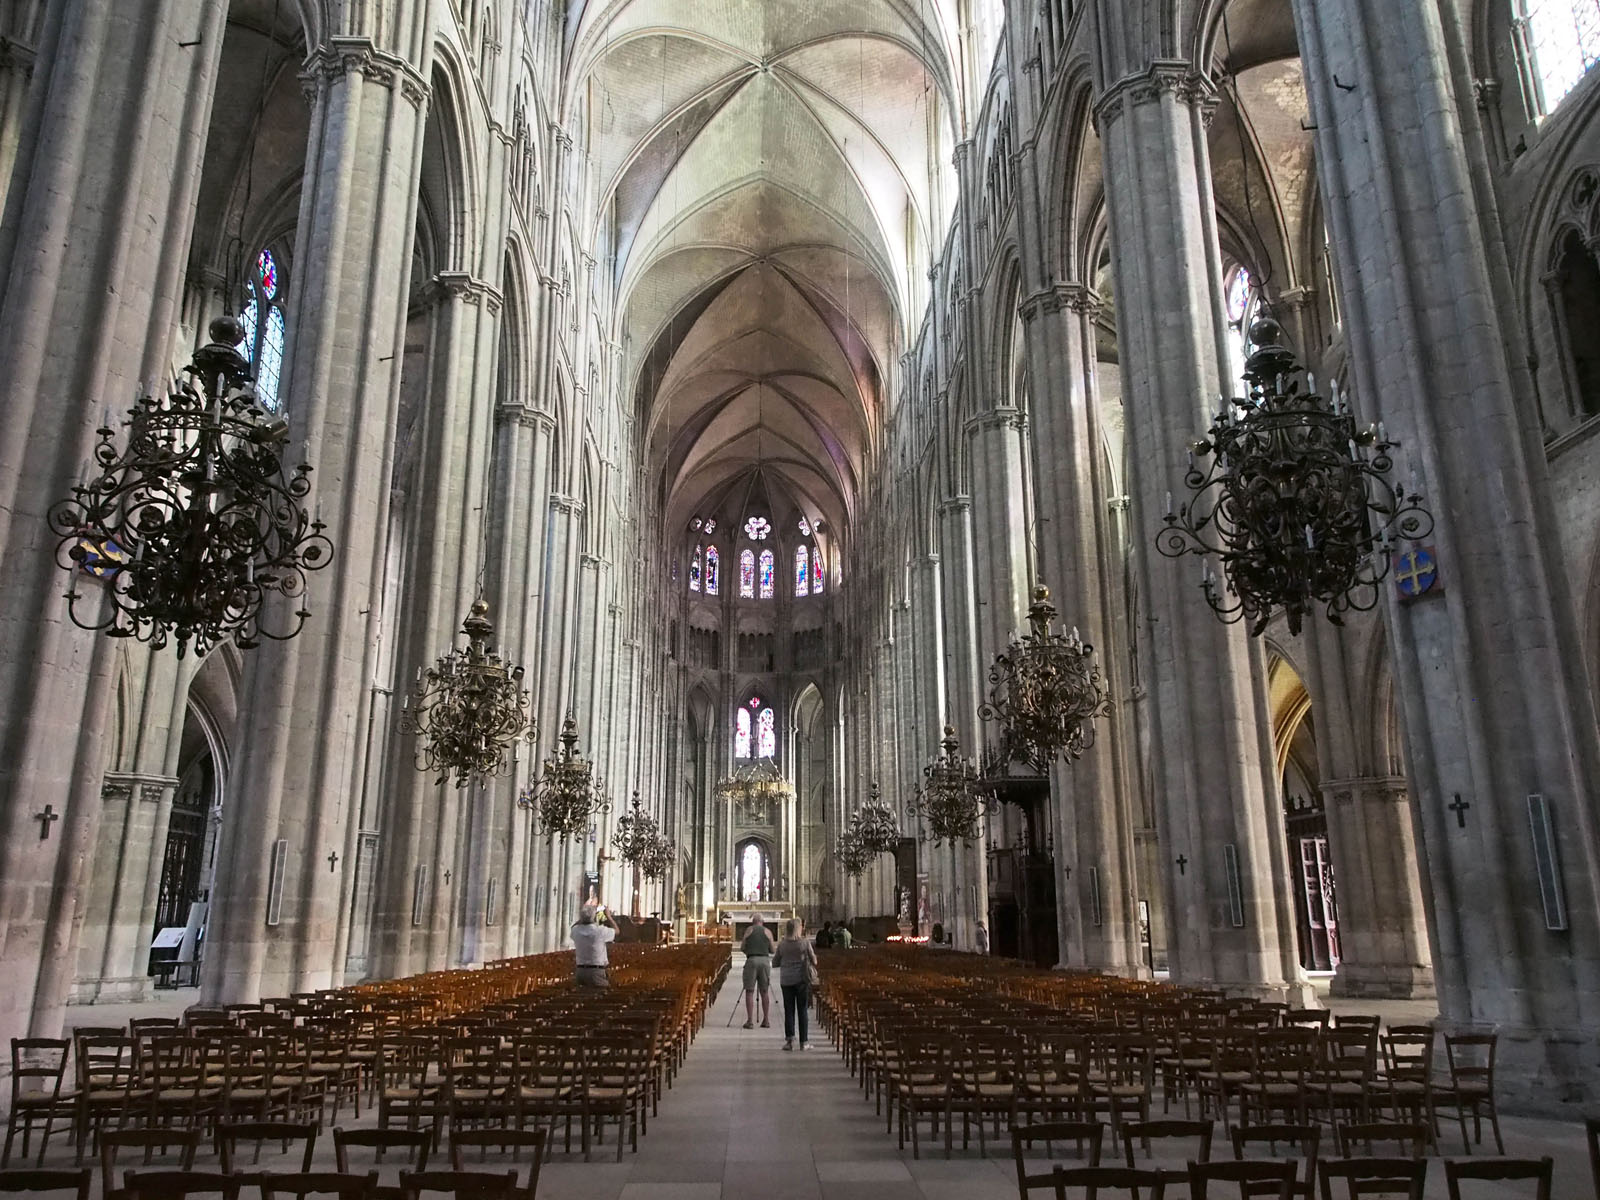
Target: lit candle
1311	541
1311	382
1169	504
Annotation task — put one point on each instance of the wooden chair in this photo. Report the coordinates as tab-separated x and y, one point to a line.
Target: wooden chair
1257	1179
38	1067
983	1083
1373	1177
1470	1058
1145	1132
920	1084
1373	1139
17	1182
549	1082
176	1081
319	1183
1096	1183
1539	1171
614	1086
1282	1069
177	1185
415	1142
407	1087
185	1141
1304	1140
480	1185
228	1135
1023	1137
108	1086
515	1140
1408	1076
478	1078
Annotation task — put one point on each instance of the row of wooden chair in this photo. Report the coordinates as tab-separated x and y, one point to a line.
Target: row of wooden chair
184	1185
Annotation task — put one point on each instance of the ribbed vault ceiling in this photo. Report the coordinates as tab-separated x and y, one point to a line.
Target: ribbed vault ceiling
776	176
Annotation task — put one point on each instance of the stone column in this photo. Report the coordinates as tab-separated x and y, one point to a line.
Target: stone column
1093	822
92	251
307	700
1500	725
21	23
1216	809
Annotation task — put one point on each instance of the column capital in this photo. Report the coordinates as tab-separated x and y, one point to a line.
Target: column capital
129	785
341	56
1344	791
463	286
956	504
526	416
1164	78
1059	297
569	505
1000	417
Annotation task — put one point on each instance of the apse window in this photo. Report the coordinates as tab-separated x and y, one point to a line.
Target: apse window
1240	303
713	565
264	329
694	571
747	574
741	733
802	571
757	528
768	570
1563	42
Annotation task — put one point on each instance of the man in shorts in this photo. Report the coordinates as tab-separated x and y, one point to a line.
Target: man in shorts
757	947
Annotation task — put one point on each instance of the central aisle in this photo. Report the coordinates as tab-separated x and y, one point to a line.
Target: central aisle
746	1120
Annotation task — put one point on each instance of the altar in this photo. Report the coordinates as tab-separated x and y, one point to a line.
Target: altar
741	915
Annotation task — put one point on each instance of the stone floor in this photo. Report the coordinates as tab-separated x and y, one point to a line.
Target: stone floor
746	1120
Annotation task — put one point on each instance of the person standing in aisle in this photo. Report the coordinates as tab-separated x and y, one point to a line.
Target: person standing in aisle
757	947
589	941
796	960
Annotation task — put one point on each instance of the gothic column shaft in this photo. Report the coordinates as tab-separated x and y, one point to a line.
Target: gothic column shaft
107	156
1093	824
307	700
1215	804
1497	708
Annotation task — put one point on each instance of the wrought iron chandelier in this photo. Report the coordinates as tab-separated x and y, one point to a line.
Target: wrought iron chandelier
952	799
469	708
636	831
871	830
851	849
1045	690
568	794
196	521
877	824
656	859
759	780
1295	500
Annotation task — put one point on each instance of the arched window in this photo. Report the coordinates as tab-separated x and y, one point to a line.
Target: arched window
1576	293
741	733
747	573
711	570
802	571
767	568
1563	42
264	329
1240	304
766	735
816	571
694	571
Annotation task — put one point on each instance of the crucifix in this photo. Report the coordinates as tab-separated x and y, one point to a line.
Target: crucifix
333	861
1183	864
447	878
1459	807
45	818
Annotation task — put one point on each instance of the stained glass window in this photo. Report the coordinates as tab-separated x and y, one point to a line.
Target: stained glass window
711	570
711	526
757	528
747	574
741	733
694	571
816	571
1564	41
264	329
767	567
802	571
1240	300
766	735
805	527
